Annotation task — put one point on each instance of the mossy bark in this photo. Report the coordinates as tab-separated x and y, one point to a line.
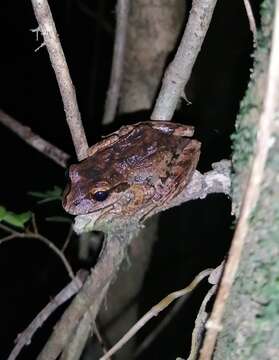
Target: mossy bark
251	320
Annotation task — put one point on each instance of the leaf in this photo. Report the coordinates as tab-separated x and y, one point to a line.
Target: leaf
17	220
3	212
48	195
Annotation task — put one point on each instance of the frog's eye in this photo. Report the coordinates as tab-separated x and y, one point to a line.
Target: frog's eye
100	195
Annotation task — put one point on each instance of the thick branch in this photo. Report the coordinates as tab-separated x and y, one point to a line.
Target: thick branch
179	70
58	61
253	188
34	140
122	11
76	343
93	292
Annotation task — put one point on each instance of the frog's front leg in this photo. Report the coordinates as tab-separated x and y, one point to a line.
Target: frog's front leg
137	198
183	168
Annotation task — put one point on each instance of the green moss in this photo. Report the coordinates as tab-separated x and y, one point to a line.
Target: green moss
244	138
251	321
243	144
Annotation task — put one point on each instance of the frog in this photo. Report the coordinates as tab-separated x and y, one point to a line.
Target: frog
133	171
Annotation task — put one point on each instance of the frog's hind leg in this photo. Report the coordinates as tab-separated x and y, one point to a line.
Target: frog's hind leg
162	202
172	192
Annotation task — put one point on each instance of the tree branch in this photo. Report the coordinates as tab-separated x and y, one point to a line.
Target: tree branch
202	316
34	140
122	12
93	291
15	234
77	342
251	19
59	64
179	70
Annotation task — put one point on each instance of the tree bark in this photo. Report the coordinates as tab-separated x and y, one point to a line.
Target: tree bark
250	327
154	27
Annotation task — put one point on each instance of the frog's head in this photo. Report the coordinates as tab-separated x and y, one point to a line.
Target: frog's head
133	170
91	188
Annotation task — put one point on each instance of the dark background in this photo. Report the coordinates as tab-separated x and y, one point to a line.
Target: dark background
191	238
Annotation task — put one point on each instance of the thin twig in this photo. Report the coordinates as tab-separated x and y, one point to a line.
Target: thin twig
179	70
65	294
59	64
200	324
56	250
122	12
7	238
34	224
264	141
7	229
251	19
202	316
175	309
34	140
16	234
68	238
100	338
150	338
154	311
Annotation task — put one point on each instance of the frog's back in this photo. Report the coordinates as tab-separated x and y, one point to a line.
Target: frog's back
142	149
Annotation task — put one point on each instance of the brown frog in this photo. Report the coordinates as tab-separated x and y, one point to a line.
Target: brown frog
134	170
